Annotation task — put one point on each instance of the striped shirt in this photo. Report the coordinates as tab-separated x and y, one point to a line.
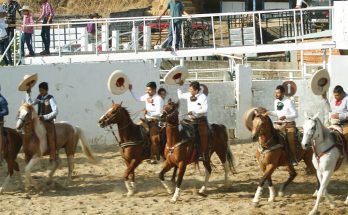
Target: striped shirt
28	20
46	10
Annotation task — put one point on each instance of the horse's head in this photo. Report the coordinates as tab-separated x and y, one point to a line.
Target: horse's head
310	131
261	123
113	115
171	112
25	113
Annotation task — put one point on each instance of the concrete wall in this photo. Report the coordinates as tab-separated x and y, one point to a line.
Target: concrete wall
80	90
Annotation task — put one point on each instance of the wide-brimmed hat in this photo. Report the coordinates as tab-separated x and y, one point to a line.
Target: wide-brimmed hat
248	118
320	82
118	82
175	75
28	82
26	7
96	15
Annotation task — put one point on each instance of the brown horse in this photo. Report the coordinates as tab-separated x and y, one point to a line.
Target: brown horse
179	150
271	154
134	141
35	142
11	147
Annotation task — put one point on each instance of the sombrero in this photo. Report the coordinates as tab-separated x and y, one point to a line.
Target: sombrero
175	75
118	83
26	7
28	82
320	82
248	118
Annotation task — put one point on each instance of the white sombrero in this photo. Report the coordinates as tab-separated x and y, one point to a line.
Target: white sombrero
25	7
28	82
175	75
248	118
320	82
118	83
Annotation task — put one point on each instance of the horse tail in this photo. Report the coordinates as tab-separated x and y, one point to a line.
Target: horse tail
229	155
84	145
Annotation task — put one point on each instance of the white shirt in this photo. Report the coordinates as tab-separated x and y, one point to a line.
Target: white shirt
155	109
341	109
53	104
285	108
299	3
199	107
3	25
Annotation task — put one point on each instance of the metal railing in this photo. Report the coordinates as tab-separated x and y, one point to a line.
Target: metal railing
208	30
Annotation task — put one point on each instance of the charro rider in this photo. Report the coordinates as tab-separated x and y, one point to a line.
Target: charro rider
338	110
153	110
3	113
286	113
197	107
47	111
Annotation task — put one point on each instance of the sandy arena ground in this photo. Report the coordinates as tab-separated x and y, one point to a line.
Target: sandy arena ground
99	189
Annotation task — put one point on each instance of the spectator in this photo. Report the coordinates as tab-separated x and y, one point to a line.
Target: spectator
176	8
11	7
4	38
91	28
46	16
162	92
27	31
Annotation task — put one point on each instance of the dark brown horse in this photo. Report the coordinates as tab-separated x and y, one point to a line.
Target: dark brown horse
11	146
179	150
134	141
35	142
271	154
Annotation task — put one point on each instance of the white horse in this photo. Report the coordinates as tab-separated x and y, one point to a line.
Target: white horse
325	155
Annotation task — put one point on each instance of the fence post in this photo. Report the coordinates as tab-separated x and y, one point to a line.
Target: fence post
115	40
105	37
147	38
84	40
135	34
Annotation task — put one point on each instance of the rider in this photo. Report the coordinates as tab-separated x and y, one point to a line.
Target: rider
3	113
284	110
47	111
338	109
153	107
197	107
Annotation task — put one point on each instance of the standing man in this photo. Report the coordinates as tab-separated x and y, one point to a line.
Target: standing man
338	109
4	38
286	113
12	7
176	8
153	111
162	92
46	16
47	111
197	108
3	113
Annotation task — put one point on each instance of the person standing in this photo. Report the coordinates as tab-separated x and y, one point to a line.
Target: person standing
3	113
47	111
12	7
27	31
4	38
47	14
176	8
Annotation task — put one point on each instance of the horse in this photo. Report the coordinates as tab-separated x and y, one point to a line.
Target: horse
35	142
12	143
179	150
326	158
134	141
271	154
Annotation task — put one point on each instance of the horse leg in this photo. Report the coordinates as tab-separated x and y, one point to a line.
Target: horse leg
174	175
268	171
324	178
292	174
28	180
18	172
70	159
271	190
130	168
166	168
207	176
346	202
53	170
182	169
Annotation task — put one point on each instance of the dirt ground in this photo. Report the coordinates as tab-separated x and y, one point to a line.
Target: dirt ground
99	189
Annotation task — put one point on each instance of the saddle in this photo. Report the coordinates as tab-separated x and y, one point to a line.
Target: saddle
339	140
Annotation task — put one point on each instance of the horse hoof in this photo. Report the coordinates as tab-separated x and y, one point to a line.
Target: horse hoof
313	212
174	200
170	192
256	204
130	193
271	199
315	193
280	193
346	202
332	206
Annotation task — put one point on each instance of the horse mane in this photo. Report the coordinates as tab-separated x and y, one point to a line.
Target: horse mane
322	128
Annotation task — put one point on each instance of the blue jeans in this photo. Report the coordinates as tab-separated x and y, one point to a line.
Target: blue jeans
26	38
177	29
3	45
45	35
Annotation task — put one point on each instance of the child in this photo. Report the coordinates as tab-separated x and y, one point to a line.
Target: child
27	31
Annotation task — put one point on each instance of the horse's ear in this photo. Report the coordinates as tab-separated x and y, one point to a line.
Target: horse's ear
306	115
169	100
315	116
256	112
265	113
121	103
112	102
